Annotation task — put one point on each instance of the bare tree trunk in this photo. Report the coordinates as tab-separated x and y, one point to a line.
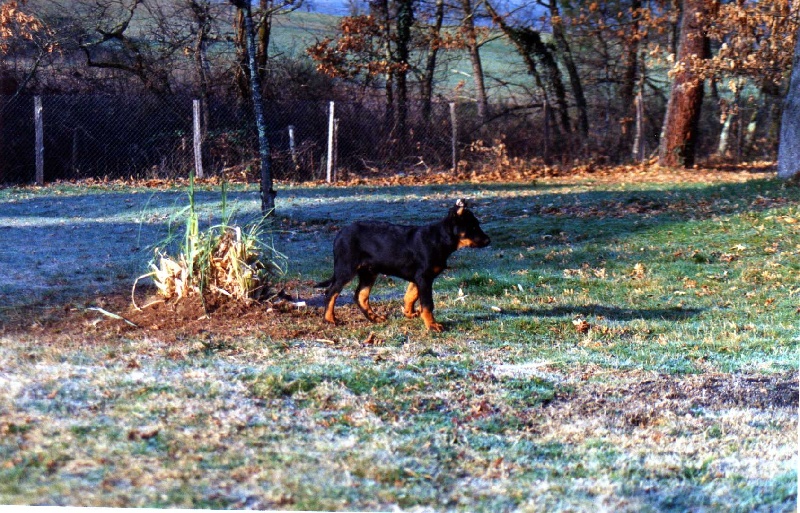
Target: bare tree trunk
405	19
263	34
267	192
731	115
39	138
750	131
530	46
572	70
242	73
202	15
426	84
789	147
679	135
628	87
454	136
475	58
724	135
379	9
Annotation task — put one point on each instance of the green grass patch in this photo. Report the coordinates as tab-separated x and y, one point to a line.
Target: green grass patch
629	347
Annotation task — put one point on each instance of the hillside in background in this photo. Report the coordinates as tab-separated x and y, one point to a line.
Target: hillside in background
505	73
334	7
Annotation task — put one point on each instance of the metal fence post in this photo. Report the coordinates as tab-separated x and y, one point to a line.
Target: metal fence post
330	143
37	117
454	146
293	149
546	114
335	149
198	140
638	138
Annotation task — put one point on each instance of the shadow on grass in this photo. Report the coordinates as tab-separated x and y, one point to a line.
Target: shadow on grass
610	313
57	238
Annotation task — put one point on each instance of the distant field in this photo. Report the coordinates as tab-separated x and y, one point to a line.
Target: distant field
620	346
295	32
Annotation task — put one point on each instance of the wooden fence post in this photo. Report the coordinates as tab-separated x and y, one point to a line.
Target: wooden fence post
330	143
198	140
37	117
454	145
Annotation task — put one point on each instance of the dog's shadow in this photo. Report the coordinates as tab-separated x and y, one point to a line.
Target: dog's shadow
610	313
314	297
386	299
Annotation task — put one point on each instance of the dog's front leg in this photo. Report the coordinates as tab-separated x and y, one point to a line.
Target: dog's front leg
425	288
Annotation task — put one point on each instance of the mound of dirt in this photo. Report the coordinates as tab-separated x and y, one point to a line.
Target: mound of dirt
288	315
296	313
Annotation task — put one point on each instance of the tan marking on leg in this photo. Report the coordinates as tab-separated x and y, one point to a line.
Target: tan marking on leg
430	322
412	294
329	316
363	302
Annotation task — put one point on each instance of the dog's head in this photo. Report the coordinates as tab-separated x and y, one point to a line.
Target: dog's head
466	227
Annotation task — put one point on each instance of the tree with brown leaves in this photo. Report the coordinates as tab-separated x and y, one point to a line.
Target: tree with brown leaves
789	148
679	135
381	45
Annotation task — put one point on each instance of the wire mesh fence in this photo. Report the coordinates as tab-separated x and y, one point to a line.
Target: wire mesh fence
151	137
143	137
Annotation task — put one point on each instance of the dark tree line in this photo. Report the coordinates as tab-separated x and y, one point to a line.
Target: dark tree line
606	79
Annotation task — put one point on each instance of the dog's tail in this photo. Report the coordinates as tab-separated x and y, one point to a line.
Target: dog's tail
324	284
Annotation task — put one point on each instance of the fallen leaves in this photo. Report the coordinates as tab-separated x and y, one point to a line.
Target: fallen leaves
143	433
586	272
501	169
581	325
639	271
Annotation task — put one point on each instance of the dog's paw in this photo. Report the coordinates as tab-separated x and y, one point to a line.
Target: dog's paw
377	317
435	327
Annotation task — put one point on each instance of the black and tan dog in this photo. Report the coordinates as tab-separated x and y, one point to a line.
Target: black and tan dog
417	254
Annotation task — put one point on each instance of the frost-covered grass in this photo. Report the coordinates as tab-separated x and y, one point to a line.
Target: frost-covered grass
617	347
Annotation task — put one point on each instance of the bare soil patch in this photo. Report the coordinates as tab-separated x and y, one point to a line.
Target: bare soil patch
642	400
296	313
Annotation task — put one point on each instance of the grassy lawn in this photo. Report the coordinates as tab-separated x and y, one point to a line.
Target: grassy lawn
621	347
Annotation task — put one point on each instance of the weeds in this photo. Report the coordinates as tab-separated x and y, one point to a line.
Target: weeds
239	263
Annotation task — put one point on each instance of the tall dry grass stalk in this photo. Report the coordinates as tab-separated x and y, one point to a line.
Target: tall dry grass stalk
222	260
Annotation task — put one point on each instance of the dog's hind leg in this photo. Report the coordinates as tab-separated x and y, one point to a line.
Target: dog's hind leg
330	303
411	297
366	280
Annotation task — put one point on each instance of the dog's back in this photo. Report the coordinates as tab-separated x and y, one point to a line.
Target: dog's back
389	249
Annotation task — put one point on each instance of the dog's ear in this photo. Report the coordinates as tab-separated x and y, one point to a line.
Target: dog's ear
461	205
